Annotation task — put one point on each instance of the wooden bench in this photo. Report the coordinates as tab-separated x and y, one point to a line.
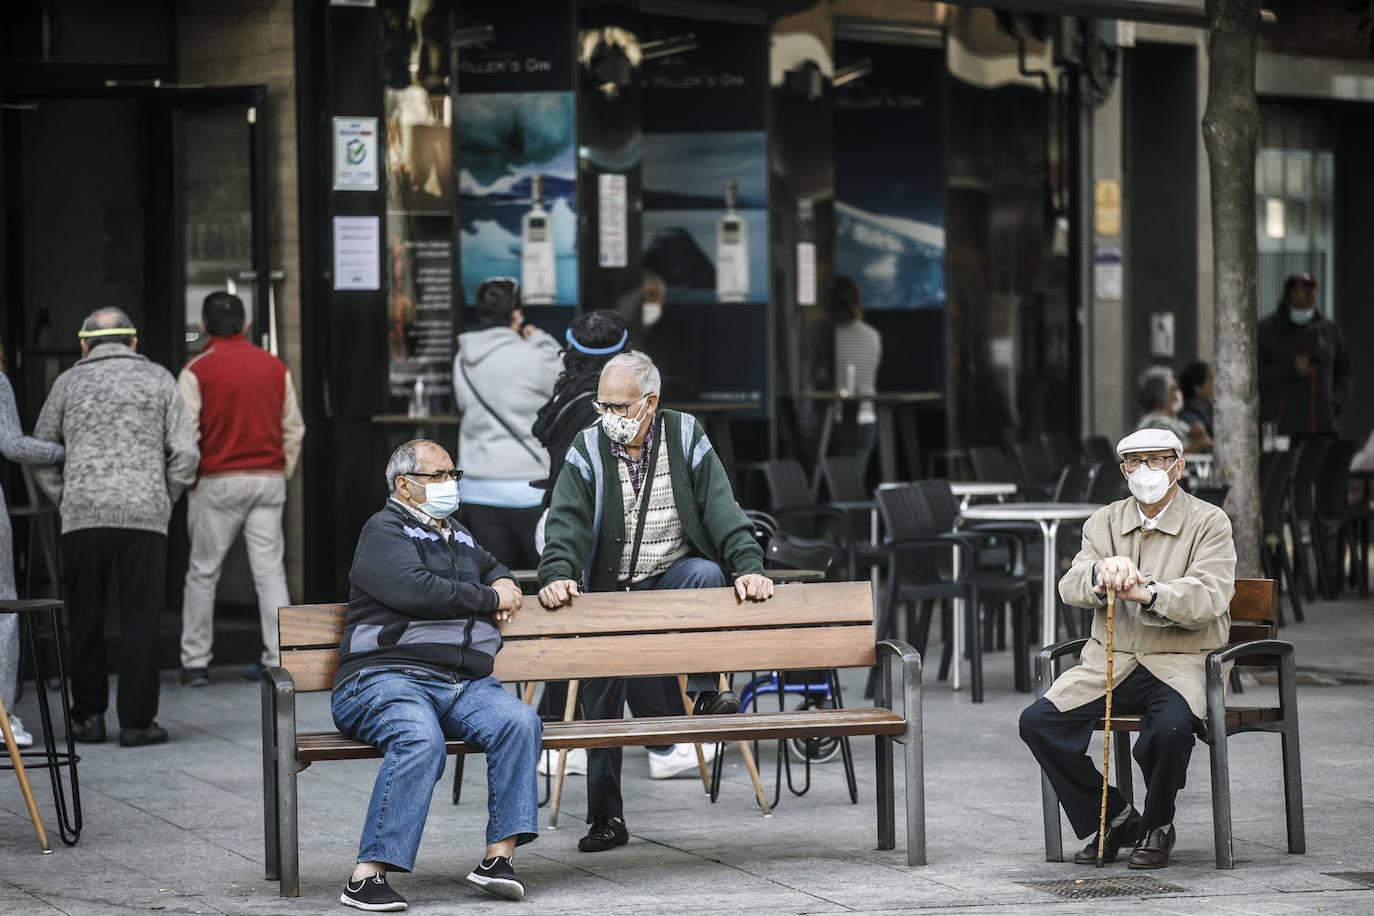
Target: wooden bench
630	634
1251	644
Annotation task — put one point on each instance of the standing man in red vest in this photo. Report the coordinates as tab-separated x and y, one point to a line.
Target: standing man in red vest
249	428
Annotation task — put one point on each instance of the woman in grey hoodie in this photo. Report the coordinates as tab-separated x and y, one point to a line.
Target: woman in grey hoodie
503	373
15	446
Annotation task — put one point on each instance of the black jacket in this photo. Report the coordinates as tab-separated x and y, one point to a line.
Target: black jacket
417	599
1298	405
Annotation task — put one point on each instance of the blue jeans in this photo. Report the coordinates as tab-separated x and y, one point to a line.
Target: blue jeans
604	698
407	714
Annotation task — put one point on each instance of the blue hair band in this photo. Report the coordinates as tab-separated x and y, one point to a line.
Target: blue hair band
597	351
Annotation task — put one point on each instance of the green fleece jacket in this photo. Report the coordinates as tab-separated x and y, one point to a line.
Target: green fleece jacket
585	530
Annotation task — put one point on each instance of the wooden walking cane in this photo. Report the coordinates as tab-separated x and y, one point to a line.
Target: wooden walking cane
24	786
1106	734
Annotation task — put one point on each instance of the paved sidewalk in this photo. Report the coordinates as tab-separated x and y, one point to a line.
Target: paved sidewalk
178	828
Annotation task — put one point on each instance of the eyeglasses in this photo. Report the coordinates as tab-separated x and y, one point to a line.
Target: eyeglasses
1153	462
620	410
450	474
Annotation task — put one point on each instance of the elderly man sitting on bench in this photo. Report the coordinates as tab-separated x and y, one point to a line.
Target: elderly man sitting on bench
642	502
415	664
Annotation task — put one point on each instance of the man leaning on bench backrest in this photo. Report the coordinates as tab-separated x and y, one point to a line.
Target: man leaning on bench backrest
415	664
642	502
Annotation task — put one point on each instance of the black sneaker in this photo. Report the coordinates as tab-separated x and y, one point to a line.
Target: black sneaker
89	729
710	703
496	876
605	833
138	737
372	893
194	677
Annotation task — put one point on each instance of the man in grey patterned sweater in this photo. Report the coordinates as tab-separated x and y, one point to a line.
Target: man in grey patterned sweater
131	452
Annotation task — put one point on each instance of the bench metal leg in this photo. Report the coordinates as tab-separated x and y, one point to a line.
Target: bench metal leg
1221	767
887	802
1049	804
271	840
288	855
914	753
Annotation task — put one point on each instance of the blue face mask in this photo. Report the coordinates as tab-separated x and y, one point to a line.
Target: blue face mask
441	499
1300	317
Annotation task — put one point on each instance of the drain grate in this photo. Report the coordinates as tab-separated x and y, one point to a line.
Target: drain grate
1355	877
1092	888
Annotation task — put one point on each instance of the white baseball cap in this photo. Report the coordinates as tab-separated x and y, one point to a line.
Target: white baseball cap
1149	440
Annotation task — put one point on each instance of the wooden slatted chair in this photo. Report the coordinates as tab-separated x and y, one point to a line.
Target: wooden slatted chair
1251	644
630	634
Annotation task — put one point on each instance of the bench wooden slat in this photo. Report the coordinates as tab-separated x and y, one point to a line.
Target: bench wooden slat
564	658
809	723
314	625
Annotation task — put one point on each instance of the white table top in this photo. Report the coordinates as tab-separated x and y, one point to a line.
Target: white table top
1028	512
981	488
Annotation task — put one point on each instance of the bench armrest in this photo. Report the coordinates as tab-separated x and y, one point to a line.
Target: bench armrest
1044	661
890	653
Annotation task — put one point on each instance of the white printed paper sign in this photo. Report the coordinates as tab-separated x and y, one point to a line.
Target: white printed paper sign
357	252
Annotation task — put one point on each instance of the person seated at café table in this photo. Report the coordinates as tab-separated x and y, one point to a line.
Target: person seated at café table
1158	395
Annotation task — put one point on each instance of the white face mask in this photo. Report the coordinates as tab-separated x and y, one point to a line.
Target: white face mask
1177	403
441	499
650	313
622	430
1148	485
1301	317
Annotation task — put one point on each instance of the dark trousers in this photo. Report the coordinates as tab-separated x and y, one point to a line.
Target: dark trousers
90	558
507	534
1059	740
604	698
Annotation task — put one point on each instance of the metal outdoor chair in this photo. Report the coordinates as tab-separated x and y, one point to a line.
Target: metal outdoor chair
1072	483
1106	485
917	574
1061	450
1036	468
1097	450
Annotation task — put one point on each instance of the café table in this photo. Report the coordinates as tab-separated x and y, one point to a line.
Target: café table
1048	517
894	410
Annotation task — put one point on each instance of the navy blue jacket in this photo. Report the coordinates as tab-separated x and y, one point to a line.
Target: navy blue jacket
417	599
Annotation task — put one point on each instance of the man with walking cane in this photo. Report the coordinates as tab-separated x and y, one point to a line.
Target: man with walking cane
1171	563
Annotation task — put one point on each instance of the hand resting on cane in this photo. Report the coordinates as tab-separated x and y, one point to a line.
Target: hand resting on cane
1121	576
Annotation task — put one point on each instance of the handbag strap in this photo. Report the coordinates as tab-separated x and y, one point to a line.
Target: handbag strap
496	416
645	491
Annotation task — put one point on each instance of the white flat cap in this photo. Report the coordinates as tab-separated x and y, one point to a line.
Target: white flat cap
1150	440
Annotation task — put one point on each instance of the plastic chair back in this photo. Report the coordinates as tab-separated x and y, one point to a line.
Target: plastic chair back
844	479
1036	469
1060	449
1097	450
1072	483
989	464
1106	484
787	484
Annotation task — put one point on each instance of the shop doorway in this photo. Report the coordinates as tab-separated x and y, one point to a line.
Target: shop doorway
144	198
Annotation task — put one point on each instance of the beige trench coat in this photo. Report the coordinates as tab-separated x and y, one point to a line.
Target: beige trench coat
1192	560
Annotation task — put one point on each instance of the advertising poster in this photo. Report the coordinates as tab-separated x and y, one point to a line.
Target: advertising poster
889	175
705	232
517	194
418	248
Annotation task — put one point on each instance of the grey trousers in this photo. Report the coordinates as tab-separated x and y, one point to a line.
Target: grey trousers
220	507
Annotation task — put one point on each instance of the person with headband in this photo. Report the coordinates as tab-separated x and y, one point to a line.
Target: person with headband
502	374
1170	559
131	452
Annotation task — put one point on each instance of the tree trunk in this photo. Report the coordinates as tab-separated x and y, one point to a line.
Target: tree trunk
1230	129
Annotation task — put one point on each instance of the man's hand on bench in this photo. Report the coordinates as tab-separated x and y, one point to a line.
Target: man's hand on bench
556	594
508	599
752	585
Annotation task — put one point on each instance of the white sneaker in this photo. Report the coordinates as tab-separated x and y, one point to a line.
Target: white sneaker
575	765
683	757
22	738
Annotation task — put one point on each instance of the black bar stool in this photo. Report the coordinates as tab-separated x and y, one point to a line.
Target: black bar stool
43	617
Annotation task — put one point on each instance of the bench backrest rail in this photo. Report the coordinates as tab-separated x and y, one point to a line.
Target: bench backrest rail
634	634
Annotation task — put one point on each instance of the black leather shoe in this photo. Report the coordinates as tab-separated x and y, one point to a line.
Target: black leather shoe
137	737
710	703
1153	851
89	729
1122	835
606	833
